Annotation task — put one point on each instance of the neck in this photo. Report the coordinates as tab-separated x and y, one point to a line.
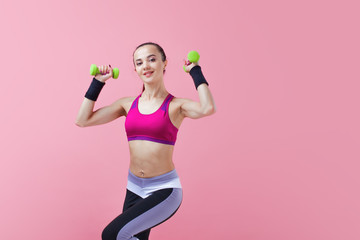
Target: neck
154	91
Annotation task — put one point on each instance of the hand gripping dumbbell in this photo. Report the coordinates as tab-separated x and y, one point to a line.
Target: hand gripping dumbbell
95	70
193	56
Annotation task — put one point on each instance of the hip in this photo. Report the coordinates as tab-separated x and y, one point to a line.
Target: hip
144	187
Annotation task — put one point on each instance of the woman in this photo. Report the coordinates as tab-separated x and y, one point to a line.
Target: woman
153	118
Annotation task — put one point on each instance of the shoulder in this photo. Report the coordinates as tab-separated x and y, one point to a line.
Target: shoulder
124	103
177	100
180	101
124	100
178	104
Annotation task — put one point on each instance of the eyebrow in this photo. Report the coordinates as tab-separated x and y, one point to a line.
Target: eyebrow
151	55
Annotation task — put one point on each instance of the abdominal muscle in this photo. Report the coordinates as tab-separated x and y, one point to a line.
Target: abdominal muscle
149	159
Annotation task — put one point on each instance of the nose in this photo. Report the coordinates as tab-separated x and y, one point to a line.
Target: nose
145	65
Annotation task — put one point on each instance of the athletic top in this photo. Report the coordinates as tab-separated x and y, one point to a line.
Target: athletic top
155	127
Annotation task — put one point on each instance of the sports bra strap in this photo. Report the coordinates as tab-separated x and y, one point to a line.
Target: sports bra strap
166	103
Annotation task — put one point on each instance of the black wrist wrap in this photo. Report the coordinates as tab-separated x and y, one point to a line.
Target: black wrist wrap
94	89
197	76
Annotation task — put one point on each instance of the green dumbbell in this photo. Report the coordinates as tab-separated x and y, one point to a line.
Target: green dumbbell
193	56
94	70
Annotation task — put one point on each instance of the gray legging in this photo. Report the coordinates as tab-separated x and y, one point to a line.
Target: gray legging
147	204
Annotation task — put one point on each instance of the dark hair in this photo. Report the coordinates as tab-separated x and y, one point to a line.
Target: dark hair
160	49
163	55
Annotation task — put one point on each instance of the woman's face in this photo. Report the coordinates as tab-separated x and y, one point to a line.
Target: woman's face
148	63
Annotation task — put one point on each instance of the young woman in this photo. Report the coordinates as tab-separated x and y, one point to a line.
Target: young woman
153	118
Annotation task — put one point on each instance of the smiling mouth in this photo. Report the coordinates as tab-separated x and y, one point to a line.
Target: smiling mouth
148	74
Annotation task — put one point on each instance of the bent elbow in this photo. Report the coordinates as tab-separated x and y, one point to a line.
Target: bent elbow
210	110
80	124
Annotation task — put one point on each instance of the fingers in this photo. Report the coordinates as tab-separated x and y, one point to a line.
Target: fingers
187	62
110	69
101	69
105	69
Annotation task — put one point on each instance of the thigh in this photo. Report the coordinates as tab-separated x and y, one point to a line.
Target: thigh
144	214
130	200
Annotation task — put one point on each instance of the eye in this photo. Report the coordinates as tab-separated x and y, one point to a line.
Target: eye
138	63
152	59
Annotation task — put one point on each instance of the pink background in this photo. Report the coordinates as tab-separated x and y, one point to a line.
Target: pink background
279	160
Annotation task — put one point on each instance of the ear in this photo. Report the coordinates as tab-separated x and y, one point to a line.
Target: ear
166	61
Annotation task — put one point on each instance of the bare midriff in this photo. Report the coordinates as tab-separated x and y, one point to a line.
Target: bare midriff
150	159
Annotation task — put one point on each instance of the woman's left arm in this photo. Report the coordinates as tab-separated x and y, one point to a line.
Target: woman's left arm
205	107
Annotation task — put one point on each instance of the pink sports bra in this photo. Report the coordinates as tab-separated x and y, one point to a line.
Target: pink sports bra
155	127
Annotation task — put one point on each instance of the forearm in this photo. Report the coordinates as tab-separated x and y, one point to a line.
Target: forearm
206	99
87	106
207	104
85	112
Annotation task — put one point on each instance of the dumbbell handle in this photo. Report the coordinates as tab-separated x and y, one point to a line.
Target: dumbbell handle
95	70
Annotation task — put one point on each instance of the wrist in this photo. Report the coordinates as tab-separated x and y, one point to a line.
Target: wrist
198	76
94	89
102	81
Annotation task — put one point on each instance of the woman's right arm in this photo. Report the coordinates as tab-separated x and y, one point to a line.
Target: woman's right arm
87	117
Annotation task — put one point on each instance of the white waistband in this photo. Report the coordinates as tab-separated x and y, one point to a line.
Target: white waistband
145	186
